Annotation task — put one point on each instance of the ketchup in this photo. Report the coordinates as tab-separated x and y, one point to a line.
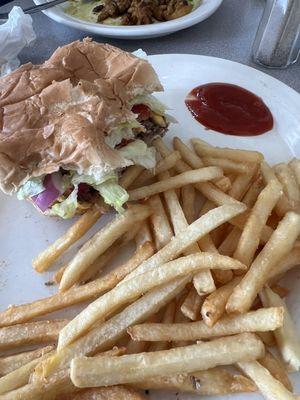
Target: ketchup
229	109
142	110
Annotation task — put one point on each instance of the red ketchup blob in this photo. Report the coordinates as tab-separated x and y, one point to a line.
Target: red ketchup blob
229	109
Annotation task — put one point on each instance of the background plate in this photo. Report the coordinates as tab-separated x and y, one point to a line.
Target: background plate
206	8
24	233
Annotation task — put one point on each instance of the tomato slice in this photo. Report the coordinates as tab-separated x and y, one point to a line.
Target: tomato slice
142	110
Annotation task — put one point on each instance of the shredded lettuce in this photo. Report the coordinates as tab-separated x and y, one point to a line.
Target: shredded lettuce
31	188
151	101
139	153
67	208
113	194
123	131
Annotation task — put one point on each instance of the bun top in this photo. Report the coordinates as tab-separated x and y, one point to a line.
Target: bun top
57	114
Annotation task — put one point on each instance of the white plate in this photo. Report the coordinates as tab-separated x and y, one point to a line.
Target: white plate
206	8
24	233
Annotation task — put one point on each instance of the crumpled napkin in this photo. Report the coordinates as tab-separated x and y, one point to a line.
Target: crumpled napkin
16	33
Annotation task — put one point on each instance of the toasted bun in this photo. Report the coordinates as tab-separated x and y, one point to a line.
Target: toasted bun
56	115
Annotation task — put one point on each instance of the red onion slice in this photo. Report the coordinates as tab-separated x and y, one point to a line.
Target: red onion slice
53	184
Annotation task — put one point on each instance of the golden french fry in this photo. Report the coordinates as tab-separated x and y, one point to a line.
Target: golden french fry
45	259
130	175
174	182
108	333
46	390
160	223
204	280
269	387
100	242
227	165
143	235
30	333
191	305
75	295
190	235
242	183
277	369
288	180
205	149
253	192
229	244
133	346
280	290
130	289
180	318
268	338
15	361
291	260
214	305
295	166
134	367
167	318
287	337
210	191
283	205
250	237
263	319
192	159
279	245
212	382
106	393
188	197
20	376
164	165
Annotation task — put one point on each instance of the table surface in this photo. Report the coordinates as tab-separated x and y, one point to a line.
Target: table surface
229	33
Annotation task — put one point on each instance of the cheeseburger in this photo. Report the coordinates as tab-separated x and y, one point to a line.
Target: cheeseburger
70	126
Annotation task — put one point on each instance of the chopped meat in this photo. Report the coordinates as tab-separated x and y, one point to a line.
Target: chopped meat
141	12
152	130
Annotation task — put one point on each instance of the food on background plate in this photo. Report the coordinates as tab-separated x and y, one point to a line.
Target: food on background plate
72	125
130	12
168	295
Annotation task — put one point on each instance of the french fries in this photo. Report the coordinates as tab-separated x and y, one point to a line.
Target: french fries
204	149
30	333
290	186
135	287
164	165
15	361
215	304
279	245
250	237
286	336
159	222
269	387
190	235
134	367
75	295
109	332
203	281
213	281
212	382
167	318
191	305
44	260
277	369
100	242
106	393
264	319
188	197
130	175
294	164
174	182
191	159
